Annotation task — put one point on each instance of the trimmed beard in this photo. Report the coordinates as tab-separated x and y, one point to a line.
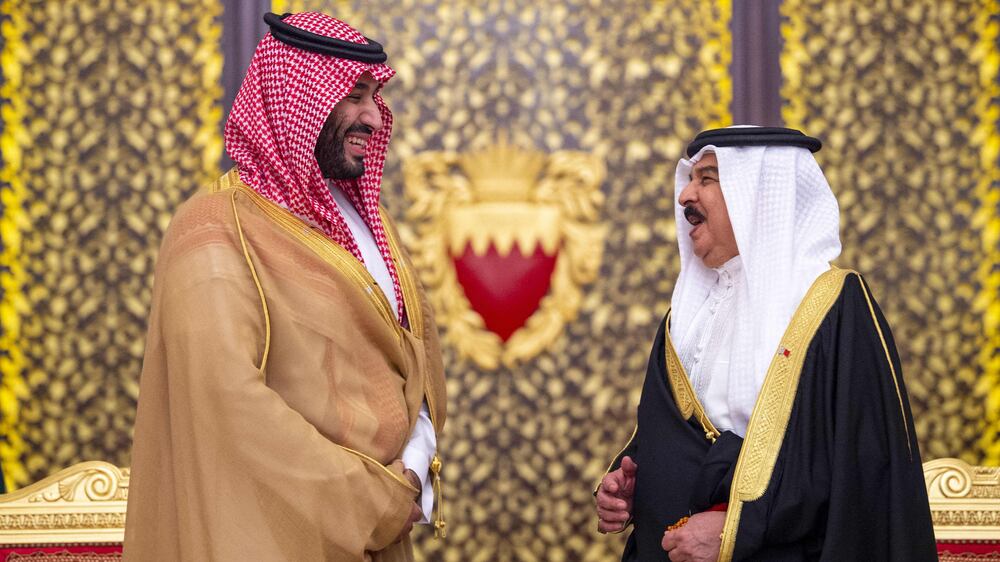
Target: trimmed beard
331	156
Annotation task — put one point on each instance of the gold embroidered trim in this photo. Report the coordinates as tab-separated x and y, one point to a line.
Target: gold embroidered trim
687	401
411	296
328	250
260	290
406	280
769	420
892	368
345	262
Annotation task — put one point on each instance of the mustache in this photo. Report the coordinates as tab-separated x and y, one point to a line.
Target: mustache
693	216
359	128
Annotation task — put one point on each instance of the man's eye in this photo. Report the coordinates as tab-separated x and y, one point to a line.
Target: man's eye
707	179
354	97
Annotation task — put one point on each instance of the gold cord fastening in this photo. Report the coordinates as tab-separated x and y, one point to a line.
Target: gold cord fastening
440	526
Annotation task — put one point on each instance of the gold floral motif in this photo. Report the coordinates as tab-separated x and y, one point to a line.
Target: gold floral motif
987	219
506	197
115	121
904	97
13	223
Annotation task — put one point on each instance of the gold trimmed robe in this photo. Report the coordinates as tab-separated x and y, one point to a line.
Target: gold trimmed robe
277	391
829	468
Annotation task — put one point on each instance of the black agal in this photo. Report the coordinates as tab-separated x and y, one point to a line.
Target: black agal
288	34
753	136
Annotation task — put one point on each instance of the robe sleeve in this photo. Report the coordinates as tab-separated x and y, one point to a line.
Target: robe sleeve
213	340
878	500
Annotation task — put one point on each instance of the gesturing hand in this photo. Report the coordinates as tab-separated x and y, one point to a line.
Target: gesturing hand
698	540
614	497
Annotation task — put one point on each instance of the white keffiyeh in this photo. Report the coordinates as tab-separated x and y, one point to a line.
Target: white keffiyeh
786	221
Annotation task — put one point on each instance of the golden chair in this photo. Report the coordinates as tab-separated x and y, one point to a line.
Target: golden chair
75	515
965	508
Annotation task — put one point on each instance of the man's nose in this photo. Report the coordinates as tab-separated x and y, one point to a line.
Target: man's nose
371	116
687	194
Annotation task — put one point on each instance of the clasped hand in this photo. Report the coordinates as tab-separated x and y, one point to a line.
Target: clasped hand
416	514
698	540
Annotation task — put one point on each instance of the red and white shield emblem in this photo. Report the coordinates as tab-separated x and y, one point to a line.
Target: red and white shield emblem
504	239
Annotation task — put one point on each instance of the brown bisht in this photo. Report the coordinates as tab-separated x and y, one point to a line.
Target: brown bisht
829	468
277	390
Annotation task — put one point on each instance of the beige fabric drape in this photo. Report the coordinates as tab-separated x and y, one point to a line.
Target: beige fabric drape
276	393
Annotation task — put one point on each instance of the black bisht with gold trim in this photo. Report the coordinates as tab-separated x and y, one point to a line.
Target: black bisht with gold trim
830	468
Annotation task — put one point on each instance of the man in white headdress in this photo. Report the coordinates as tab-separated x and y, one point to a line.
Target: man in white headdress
774	423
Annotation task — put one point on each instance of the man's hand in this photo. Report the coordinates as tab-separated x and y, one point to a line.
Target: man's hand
416	514
614	497
698	540
414	480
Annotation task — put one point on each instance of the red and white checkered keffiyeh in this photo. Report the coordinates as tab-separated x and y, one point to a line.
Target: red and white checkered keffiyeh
277	116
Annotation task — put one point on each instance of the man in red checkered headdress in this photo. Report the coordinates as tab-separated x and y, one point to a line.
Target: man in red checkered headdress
292	388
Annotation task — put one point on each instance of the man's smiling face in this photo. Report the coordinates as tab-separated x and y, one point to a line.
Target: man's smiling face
705	208
340	148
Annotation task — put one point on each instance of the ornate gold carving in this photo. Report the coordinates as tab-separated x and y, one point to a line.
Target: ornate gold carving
61	521
505	196
964	499
65	556
769	419
100	483
84	503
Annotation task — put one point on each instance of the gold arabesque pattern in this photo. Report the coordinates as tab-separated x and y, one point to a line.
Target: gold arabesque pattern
904	96
118	112
627	82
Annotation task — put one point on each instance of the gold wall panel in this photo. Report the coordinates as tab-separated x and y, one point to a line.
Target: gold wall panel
120	114
628	81
904	95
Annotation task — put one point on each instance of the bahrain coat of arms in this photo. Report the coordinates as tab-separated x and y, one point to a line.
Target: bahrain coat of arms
505	239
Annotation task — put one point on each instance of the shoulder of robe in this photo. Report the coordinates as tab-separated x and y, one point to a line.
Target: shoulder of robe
211	204
206	217
852	281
